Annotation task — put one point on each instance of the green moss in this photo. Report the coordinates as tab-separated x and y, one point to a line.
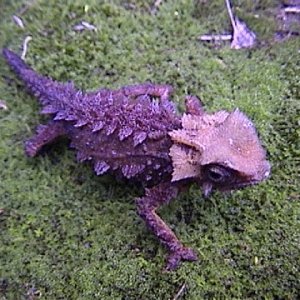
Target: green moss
67	234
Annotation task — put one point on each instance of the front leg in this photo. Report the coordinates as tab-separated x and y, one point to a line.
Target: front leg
147	207
193	106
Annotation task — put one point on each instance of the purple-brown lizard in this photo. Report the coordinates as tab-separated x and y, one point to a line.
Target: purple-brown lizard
135	132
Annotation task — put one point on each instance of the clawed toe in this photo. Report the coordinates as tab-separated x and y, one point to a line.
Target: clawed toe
176	257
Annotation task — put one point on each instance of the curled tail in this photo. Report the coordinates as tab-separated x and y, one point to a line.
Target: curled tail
53	95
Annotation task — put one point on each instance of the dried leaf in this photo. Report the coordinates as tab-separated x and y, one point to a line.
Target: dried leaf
83	25
18	21
243	37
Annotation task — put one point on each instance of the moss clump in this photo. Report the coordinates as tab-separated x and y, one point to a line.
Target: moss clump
67	234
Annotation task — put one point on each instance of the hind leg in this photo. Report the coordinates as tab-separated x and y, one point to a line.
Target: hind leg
45	134
157	90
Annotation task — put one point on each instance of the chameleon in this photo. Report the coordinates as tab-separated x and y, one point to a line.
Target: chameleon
136	133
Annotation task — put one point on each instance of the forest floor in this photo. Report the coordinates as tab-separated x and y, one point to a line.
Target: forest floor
67	234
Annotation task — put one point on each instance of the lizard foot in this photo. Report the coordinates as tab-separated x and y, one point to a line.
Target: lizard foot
31	149
176	257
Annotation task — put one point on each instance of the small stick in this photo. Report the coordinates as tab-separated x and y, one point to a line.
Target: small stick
232	18
25	45
292	9
180	292
88	25
18	21
215	37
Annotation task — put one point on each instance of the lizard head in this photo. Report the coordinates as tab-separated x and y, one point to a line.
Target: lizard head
220	150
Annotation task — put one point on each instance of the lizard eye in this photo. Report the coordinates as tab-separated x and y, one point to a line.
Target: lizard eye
215	176
218	174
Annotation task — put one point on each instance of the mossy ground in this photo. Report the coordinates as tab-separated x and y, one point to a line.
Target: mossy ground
68	234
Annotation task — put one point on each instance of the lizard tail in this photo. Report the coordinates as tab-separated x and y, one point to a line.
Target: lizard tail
16	63
51	94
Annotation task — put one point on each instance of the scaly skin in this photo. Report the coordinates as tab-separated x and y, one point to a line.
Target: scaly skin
134	132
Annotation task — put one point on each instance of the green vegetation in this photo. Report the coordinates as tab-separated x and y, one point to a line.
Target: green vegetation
67	234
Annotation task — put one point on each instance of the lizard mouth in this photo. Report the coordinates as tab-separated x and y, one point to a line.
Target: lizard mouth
208	187
238	185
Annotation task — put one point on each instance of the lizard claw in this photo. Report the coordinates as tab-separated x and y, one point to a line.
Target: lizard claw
176	257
